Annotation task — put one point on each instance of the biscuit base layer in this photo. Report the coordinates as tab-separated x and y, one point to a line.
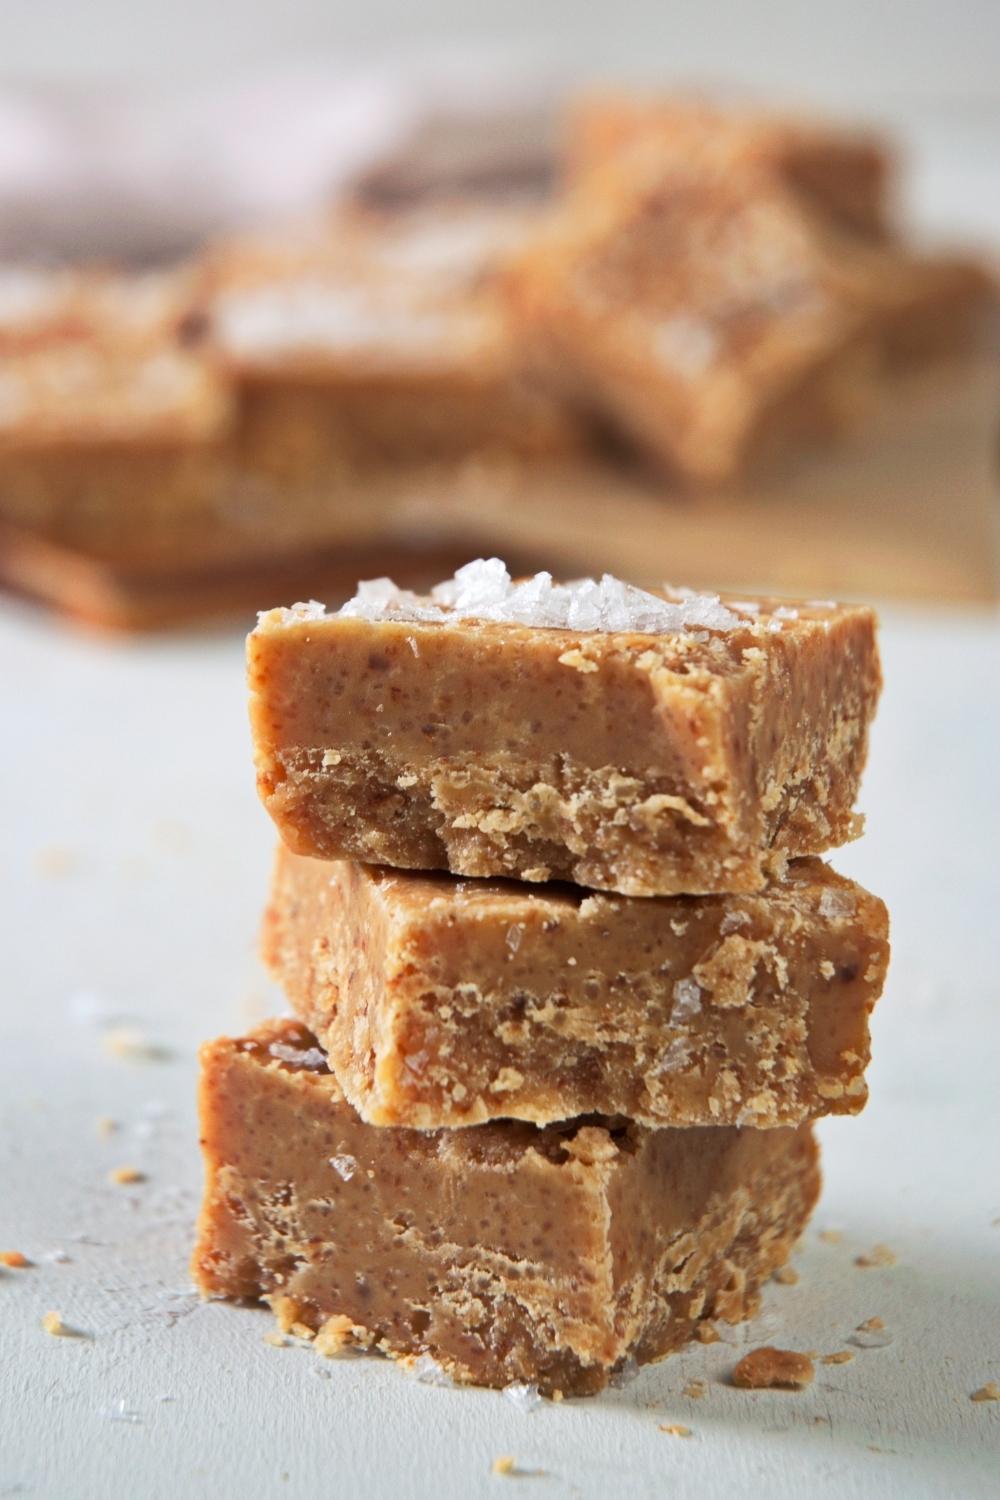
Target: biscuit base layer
505	1252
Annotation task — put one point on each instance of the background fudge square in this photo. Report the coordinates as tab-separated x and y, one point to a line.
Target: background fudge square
641	742
506	1252
447	1002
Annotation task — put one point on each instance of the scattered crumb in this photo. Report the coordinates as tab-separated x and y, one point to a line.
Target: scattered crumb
504	1465
55	861
275	1339
675	1429
14	1259
124	1175
334	1336
696	1389
557	1395
988	1392
878	1255
871	1334
303	1331
830	1236
786	1276
773	1369
131	1045
707	1333
106	1125
841	1357
576	659
53	1324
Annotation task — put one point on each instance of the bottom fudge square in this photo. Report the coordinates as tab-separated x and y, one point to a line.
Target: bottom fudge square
505	1251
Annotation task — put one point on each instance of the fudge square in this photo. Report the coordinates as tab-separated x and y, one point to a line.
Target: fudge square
504	1251
646	743
446	1002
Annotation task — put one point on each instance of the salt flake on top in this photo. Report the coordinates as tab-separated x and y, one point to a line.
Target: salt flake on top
484	590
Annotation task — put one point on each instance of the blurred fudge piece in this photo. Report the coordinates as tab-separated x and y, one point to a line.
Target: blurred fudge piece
505	1252
647	743
445	1002
112	429
846	174
716	321
703	316
380	337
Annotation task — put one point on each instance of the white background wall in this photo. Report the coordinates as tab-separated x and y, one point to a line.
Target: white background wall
884	55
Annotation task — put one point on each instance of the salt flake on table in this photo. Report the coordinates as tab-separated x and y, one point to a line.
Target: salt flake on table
522	1395
344	1166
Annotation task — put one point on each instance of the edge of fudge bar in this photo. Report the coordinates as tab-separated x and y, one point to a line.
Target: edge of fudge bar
638	756
506	1252
443	1002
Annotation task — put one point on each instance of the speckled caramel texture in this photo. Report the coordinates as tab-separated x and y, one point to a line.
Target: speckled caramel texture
643	764
845	174
444	1002
506	1252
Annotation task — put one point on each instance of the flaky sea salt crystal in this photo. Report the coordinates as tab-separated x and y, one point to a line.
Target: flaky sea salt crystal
344	1166
687	1001
785	612
732	921
301	1057
484	590
121	1413
627	1371
380	599
835	904
745	606
513	937
427	1370
308	609
674	1056
871	1338
522	1395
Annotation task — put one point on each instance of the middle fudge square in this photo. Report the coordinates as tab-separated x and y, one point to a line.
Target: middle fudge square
446	1002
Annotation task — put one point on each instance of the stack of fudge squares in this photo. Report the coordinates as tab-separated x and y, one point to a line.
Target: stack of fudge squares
570	983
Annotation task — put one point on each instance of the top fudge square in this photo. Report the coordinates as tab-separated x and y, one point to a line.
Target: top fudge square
648	743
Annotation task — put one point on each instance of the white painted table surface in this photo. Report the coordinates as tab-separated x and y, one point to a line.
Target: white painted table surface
135	864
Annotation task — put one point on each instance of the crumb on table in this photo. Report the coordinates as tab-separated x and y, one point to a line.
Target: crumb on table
14	1260
695	1389
840	1357
675	1429
773	1369
988	1392
53	1324
878	1255
786	1276
503	1465
125	1175
830	1236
